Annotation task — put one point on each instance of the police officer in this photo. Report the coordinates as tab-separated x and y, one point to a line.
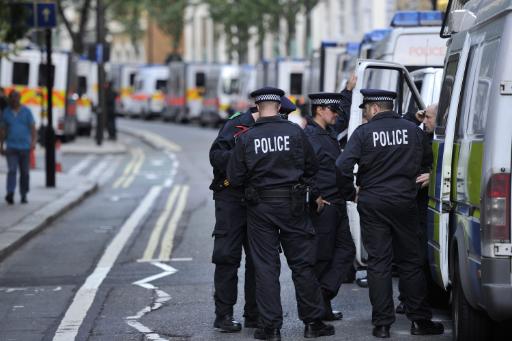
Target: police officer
274	161
335	247
230	230
389	152
287	107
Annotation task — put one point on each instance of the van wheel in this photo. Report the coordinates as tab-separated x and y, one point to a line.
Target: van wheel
469	324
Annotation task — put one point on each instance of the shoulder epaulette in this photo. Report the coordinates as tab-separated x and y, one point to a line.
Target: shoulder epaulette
235	115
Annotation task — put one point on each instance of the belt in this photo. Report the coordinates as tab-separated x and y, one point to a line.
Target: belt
275	193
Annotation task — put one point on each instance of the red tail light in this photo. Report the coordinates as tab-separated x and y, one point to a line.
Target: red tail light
497	208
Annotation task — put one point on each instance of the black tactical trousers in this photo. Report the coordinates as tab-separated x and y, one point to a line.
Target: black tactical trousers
335	249
230	235
391	232
270	223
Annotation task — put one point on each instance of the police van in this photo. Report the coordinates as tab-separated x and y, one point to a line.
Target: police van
413	41
187	85
345	65
320	77
148	97
123	78
25	71
87	102
286	74
222	91
469	213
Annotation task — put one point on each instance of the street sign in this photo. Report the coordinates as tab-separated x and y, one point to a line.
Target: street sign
46	14
40	14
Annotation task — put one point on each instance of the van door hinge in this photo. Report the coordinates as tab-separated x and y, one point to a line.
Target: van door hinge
506	88
502	249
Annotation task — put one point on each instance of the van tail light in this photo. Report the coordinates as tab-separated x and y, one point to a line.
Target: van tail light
497	209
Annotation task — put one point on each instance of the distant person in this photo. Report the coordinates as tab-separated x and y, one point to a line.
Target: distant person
110	97
17	129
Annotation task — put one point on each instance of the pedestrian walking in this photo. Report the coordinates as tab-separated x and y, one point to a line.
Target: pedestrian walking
275	163
19	134
388	151
230	231
335	247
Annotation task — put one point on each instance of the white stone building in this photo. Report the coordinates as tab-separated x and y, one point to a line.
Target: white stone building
335	20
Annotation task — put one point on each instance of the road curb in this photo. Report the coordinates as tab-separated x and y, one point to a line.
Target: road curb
154	140
28	227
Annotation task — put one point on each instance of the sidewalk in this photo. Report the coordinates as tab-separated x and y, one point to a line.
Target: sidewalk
18	223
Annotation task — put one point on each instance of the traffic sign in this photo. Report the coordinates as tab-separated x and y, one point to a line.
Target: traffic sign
40	14
46	15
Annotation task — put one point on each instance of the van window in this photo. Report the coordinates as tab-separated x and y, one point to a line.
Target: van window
132	78
446	94
469	79
230	86
296	83
200	80
478	114
42	74
82	85
20	72
161	85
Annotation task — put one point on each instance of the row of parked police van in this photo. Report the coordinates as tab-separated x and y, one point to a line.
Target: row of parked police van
460	60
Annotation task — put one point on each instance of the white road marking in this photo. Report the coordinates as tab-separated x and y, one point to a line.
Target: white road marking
110	171
159	226
76	169
57	289
162	298
99	169
168	239
77	311
184	259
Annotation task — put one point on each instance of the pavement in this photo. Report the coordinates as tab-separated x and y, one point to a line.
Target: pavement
19	223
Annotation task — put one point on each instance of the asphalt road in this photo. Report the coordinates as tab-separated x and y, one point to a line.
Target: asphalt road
133	261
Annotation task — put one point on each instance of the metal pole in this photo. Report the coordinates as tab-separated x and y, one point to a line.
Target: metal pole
100	31
322	68
50	133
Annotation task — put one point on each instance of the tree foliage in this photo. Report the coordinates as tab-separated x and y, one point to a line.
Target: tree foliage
170	18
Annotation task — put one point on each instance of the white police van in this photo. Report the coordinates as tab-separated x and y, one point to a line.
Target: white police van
123	77
222	92
25	71
148	97
185	91
469	213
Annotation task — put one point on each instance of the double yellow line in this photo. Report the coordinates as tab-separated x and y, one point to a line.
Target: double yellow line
131	170
165	239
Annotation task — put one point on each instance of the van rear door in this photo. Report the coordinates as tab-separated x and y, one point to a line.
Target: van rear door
441	175
369	73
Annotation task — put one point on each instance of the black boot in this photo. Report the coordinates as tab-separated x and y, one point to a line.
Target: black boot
269	334
317	329
9	198
330	315
227	324
381	332
426	327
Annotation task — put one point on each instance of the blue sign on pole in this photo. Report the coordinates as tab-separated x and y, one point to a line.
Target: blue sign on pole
99	53
46	15
40	14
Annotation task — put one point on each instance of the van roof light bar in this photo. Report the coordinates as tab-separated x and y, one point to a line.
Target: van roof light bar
417	18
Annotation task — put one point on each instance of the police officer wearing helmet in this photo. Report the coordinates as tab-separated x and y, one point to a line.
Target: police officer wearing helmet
230	230
389	152
335	247
274	161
